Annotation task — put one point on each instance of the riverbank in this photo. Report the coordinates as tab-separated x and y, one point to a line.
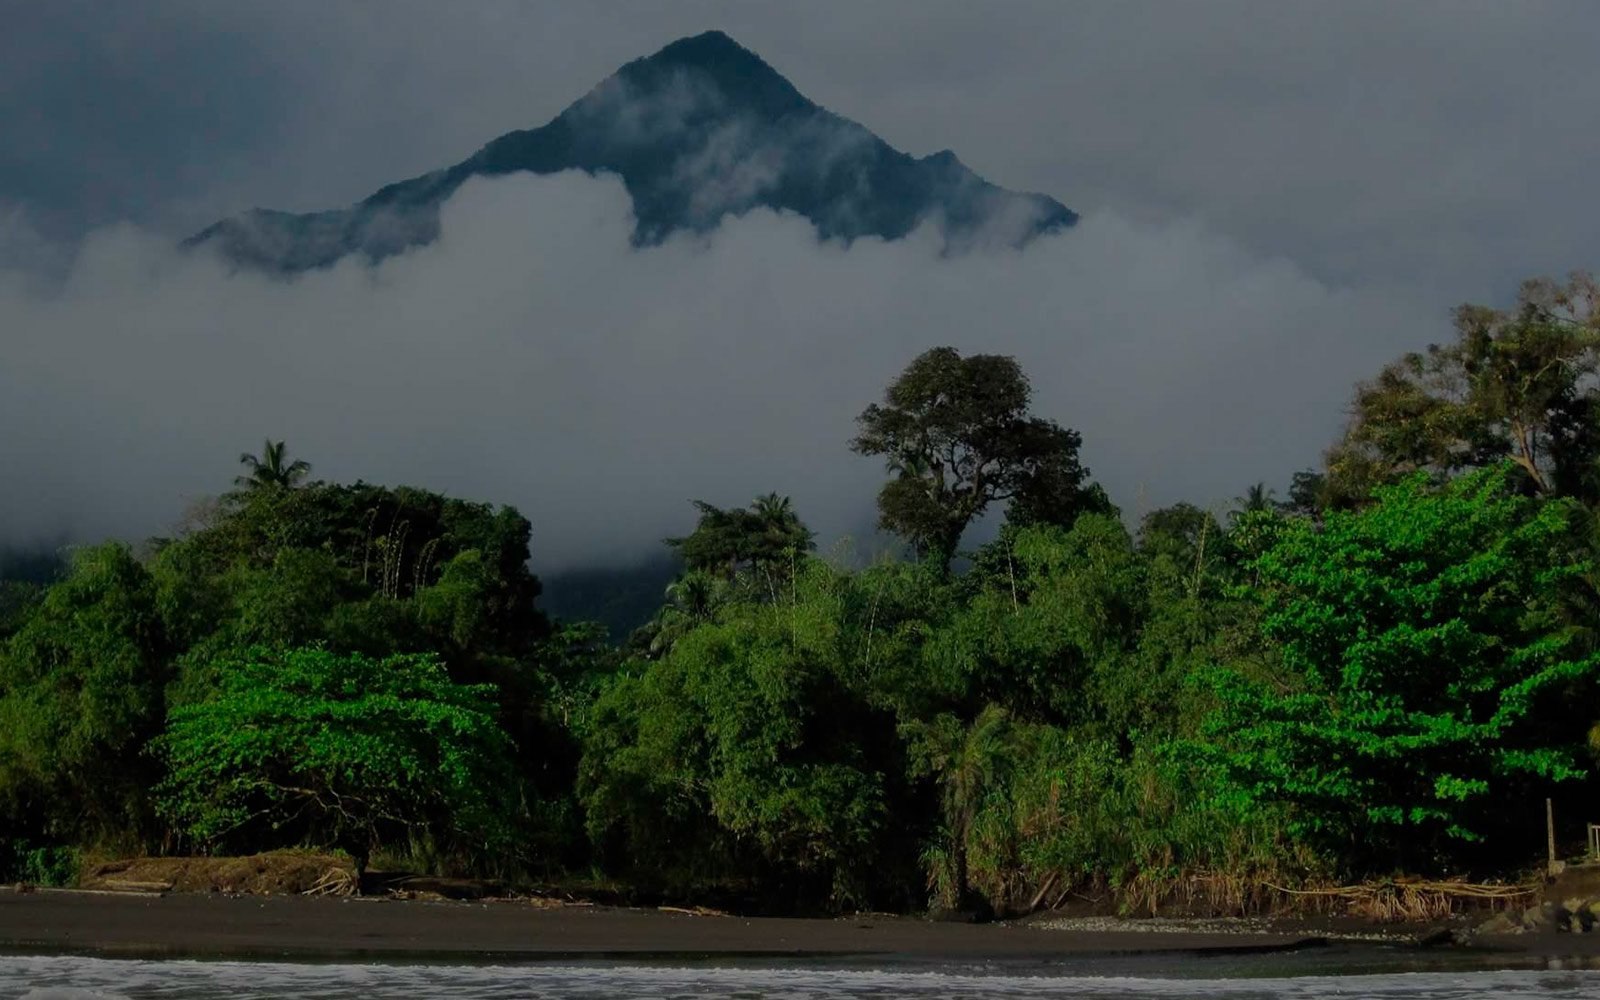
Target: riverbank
212	926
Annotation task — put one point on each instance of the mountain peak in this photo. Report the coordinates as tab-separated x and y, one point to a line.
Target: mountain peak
714	57
701	130
708	46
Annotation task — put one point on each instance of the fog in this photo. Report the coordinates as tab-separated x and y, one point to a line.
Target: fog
533	356
1277	197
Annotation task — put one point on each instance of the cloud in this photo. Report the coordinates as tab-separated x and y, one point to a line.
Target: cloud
1439	142
533	356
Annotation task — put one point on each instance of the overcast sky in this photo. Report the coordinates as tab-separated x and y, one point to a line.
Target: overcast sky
1278	197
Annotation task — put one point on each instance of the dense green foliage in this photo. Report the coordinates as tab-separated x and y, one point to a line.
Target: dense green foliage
1428	660
336	749
80	694
126	646
750	745
1388	671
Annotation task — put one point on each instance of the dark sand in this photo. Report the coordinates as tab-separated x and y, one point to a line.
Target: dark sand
320	927
276	926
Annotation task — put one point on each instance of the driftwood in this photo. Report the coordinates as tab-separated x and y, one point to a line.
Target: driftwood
335	882
128	885
696	911
552	903
278	872
1038	897
1420	900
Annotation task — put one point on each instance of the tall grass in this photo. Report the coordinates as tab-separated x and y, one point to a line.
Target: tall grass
1156	833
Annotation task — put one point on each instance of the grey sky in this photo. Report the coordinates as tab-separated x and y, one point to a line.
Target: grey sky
1278	196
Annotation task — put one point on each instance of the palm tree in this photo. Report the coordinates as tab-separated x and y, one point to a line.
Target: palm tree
781	526
773	509
271	469
966	762
692	599
1257	498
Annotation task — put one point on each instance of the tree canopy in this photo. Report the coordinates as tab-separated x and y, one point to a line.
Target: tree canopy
1517	385
759	538
345	750
956	436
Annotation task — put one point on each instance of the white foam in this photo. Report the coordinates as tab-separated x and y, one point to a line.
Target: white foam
66	978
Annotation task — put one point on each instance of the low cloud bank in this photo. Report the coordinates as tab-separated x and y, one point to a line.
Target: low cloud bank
531	356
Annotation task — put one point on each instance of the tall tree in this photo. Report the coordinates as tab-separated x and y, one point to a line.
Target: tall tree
956	436
272	468
691	599
1518	385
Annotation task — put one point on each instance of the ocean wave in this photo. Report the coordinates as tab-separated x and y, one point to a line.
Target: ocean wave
67	978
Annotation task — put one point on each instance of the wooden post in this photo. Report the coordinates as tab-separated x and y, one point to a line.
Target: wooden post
1550	833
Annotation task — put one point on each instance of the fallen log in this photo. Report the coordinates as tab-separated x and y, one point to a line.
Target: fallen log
127	885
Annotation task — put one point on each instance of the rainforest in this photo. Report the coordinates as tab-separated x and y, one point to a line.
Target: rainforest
1391	670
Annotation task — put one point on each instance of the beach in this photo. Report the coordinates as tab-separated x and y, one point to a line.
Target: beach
264	926
218	925
64	943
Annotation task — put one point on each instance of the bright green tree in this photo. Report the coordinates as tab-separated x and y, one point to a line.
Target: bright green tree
1424	665
309	747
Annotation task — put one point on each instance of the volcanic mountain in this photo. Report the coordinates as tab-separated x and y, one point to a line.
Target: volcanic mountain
700	130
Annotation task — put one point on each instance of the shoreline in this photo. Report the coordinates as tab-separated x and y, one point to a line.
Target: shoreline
214	926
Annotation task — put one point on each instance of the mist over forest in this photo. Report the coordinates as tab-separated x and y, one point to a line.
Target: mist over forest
534	356
694	496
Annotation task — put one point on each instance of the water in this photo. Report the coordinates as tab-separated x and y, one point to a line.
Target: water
68	978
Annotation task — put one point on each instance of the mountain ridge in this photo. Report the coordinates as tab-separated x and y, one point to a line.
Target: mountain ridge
702	129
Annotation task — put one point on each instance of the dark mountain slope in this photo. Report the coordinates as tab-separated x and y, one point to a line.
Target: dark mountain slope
702	129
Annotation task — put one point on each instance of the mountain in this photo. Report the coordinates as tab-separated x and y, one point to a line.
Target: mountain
700	130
